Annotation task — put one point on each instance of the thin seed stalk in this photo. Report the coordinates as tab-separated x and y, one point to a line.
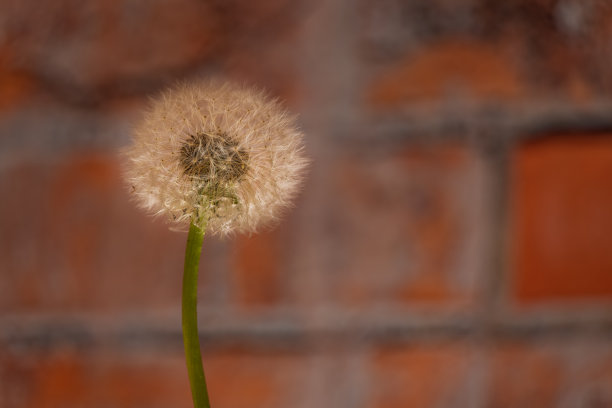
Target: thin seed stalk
199	391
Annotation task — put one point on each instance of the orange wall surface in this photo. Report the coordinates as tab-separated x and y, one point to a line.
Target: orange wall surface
451	247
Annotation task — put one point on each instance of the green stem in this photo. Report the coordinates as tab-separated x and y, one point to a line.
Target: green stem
191	339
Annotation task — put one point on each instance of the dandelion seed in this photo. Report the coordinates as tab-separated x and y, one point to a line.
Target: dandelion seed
232	157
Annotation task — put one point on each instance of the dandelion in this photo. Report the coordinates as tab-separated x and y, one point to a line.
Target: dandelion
220	158
218	155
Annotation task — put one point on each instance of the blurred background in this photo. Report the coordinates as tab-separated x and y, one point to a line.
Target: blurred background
452	246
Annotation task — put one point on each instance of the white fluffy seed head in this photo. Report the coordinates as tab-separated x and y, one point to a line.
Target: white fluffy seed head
215	154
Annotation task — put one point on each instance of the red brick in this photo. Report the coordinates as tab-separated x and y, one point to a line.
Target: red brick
73	241
485	51
272	67
68	378
71	379
404	227
504	375
243	379
591	381
15	86
422	376
562	196
256	268
525	377
449	68
550	375
105	41
122	46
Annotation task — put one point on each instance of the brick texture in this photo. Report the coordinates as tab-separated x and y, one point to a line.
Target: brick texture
103	50
468	68
73	241
562	200
431	376
73	378
403	227
70	379
484	50
451	246
509	374
238	378
550	375
258	269
525	377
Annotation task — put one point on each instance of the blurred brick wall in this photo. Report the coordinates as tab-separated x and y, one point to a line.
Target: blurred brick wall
452	246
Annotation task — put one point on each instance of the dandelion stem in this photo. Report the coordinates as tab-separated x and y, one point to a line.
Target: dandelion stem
191	339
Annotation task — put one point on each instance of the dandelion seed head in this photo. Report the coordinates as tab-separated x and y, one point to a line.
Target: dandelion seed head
215	154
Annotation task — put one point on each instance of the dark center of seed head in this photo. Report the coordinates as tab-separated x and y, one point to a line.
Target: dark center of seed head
213	158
